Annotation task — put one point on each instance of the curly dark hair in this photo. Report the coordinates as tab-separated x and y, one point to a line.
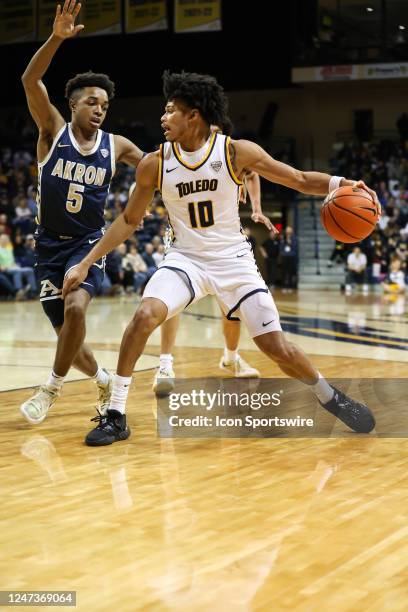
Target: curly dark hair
199	91
90	79
227	127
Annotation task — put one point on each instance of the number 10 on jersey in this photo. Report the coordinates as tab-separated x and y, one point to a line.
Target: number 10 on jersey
201	214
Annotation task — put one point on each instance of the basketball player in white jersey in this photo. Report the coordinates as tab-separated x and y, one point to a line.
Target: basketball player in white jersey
231	361
199	175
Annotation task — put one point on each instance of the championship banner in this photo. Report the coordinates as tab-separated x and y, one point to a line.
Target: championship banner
46	15
17	20
145	15
197	15
101	17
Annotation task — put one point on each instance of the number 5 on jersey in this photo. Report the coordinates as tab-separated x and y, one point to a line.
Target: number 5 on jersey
74	199
201	214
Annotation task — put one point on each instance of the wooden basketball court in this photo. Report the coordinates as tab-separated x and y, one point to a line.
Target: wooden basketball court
209	524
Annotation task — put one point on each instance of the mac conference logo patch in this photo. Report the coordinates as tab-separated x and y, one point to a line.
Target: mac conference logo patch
104	152
216	166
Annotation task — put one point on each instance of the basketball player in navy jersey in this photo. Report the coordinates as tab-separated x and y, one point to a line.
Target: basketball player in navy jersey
76	163
198	174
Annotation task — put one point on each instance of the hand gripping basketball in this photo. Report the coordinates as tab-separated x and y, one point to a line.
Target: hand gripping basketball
350	214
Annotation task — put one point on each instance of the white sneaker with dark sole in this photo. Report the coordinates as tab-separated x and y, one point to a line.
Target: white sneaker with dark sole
163	382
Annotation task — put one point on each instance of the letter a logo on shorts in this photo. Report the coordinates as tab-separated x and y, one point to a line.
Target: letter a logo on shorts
47	288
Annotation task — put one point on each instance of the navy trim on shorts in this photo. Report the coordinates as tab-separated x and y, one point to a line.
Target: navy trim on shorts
229	317
188	278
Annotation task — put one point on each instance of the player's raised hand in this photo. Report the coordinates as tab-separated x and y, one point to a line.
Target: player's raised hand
74	278
260	218
64	23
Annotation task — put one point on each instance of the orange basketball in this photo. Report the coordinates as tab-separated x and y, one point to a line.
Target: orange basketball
349	214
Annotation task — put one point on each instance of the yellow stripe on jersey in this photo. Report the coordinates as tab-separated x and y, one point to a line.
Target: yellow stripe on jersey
229	164
160	173
200	163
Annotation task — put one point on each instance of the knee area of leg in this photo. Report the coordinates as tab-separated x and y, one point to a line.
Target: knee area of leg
74	312
146	317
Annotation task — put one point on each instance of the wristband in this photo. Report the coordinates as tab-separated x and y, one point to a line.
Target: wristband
335	183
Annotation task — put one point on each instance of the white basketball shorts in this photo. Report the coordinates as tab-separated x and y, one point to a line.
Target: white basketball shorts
235	281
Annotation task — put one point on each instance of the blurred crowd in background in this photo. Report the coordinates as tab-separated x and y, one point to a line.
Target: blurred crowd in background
384	166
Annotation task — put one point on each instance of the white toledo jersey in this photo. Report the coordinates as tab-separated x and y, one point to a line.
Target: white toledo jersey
201	194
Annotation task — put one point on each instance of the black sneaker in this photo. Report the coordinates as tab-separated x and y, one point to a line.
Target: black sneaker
355	415
112	428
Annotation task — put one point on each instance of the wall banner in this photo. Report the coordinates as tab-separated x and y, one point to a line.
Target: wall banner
197	16
145	15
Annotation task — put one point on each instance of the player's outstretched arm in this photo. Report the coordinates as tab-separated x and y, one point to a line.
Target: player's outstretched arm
248	155
46	116
124	226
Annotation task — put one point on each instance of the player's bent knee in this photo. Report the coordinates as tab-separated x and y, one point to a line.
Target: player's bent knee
74	313
150	315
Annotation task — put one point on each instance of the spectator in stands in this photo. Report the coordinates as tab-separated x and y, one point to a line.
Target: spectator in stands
338	254
6	287
289	257
117	199
13	271
4	227
270	252
31	199
356	270
395	281
158	255
24	219
401	253
134	262
114	270
24	251
22	209
148	257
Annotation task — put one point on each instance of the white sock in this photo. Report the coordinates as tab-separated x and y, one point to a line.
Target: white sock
166	360
101	377
230	356
120	392
55	380
323	391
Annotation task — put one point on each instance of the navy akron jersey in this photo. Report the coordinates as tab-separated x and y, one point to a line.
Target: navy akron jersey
73	184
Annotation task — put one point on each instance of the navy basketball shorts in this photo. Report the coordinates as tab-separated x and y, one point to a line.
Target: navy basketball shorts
55	257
